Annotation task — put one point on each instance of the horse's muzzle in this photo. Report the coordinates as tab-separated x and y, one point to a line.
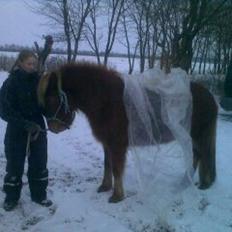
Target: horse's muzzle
56	127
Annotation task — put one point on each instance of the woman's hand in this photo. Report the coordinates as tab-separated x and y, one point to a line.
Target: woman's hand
32	127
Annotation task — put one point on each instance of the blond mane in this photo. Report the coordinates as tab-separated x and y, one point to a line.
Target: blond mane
43	85
42	88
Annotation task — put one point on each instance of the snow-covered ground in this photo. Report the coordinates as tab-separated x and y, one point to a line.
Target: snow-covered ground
75	169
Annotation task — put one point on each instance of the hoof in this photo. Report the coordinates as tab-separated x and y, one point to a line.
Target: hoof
115	199
204	186
201	186
196	184
103	188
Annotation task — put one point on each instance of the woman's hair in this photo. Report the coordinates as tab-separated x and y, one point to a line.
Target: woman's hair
22	56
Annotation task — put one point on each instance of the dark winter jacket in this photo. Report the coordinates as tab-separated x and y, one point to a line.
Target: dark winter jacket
18	100
19	107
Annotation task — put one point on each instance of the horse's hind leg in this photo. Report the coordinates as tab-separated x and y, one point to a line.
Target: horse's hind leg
107	179
195	158
118	162
207	159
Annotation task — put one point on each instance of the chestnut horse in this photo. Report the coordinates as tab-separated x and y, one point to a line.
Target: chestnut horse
98	92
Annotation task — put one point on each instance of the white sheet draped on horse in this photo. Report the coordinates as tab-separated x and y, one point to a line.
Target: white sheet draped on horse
159	109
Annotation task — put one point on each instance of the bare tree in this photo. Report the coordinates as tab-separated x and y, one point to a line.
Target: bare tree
67	17
168	24
213	45
221	31
91	34
196	16
114	11
128	32
43	53
139	13
79	10
152	48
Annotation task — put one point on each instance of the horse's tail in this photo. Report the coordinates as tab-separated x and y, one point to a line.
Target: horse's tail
207	159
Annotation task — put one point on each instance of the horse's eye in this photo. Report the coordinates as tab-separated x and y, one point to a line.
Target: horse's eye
46	112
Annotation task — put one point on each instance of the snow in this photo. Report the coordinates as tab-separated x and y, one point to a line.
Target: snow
75	171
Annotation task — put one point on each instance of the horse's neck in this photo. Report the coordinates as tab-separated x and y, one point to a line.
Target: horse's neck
82	90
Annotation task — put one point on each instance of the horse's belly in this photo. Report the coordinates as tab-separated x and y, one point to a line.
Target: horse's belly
148	128
144	135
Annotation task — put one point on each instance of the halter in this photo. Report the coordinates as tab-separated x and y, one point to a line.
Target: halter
63	102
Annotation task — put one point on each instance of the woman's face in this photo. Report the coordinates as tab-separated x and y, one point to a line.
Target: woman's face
29	64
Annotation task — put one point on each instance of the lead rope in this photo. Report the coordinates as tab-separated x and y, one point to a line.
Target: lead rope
28	150
31	138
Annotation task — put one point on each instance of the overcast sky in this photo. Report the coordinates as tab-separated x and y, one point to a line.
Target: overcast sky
18	25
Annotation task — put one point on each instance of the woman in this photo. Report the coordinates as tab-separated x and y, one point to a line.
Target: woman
25	133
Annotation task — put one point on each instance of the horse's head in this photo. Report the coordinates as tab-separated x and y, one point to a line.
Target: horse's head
55	102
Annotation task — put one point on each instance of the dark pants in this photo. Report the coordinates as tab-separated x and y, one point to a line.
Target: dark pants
15	150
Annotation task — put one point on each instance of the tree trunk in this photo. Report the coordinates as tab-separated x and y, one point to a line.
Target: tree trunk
182	52
43	54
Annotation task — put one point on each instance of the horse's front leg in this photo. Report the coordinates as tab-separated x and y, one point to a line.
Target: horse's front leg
118	163
107	178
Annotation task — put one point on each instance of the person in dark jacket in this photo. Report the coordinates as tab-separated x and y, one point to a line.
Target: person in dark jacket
25	133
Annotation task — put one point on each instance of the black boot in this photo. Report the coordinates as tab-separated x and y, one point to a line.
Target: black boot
45	202
9	205
12	187
38	182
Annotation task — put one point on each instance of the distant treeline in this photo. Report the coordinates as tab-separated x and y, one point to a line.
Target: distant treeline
7	60
60	51
55	51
